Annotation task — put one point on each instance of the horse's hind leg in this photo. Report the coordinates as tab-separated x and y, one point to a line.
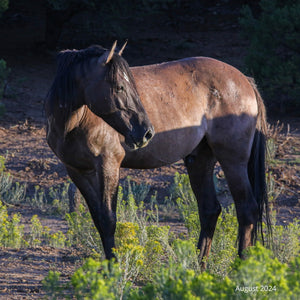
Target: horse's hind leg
246	207
200	165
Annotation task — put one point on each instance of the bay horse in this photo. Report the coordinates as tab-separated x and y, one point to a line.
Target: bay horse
103	115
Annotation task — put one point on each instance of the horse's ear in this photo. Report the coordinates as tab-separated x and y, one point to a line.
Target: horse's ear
111	52
122	49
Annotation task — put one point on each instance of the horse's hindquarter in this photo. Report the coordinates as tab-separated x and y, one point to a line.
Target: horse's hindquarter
188	99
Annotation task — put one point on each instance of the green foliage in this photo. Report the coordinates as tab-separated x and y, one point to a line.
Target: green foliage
141	243
36	231
129	253
186	254
181	188
266	275
3	6
82	231
104	20
10	193
273	56
58	240
148	6
55	201
259	277
223	250
2	163
53	288
139	191
155	265
68	4
58	198
40	234
3	75
94	280
176	282
157	248
11	232
186	202
286	243
3	72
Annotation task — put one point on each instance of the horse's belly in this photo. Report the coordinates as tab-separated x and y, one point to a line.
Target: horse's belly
164	149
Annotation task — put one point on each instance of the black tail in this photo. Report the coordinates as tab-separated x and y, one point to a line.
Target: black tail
257	166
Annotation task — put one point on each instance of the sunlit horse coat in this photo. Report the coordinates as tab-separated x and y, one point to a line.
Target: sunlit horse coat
102	115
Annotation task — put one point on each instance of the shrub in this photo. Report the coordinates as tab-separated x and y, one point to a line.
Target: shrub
186	254
54	201
36	231
224	250
11	232
94	280
139	191
3	6
266	275
285	244
273	56
156	250
260	276
150	267
82	231
58	198
10	193
3	77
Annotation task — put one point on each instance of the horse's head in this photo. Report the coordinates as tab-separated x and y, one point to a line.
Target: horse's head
110	93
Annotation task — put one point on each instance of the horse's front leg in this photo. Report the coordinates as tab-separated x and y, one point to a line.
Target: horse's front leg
99	188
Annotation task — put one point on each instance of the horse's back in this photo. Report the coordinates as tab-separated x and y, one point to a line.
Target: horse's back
192	98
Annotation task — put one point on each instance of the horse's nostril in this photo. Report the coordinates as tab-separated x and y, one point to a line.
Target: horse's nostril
149	134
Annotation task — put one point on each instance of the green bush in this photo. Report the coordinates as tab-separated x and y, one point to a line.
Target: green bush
3	6
82	231
94	280
3	77
260	276
273	56
286	242
11	232
10	192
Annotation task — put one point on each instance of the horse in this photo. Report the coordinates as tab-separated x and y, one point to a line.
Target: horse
103	115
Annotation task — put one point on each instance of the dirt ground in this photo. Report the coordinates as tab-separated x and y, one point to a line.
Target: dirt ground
29	159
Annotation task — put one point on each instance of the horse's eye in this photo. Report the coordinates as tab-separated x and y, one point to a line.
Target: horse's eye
119	89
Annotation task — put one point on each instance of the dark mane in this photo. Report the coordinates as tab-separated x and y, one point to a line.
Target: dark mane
117	64
70	63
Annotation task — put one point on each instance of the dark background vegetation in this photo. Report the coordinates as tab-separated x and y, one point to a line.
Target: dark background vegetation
163	30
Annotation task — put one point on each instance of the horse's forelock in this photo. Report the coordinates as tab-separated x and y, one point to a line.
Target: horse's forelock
118	65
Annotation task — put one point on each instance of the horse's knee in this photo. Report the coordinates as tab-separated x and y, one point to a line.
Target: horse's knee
210	213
